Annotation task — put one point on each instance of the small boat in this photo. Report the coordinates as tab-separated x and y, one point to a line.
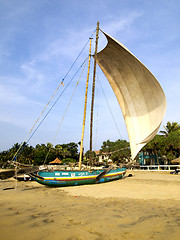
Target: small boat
62	178
142	102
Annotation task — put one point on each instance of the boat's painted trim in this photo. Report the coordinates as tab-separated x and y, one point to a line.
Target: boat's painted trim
80	178
77	180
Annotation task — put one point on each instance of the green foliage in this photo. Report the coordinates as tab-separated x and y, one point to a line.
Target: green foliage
166	145
87	154
71	150
170	127
172	145
38	155
119	150
68	160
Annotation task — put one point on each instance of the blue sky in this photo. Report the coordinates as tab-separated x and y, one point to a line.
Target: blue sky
40	39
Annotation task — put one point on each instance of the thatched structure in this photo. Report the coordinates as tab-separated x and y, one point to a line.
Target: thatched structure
56	161
177	160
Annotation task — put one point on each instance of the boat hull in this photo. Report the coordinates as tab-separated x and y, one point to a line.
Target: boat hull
74	178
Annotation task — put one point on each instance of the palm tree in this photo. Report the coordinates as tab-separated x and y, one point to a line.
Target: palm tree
170	127
155	147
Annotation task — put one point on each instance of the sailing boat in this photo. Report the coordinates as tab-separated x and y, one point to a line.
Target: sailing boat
142	102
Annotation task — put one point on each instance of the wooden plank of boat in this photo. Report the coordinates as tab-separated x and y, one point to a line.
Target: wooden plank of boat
98	178
35	176
11	173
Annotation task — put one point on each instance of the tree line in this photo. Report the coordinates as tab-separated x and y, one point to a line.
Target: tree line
166	144
40	154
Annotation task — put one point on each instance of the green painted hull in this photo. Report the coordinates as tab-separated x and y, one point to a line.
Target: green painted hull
74	178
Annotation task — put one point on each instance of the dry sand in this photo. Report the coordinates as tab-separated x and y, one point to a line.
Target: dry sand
145	206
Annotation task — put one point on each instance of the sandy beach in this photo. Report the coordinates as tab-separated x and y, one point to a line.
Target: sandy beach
144	206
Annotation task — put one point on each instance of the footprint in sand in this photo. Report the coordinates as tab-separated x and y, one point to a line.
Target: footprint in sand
48	220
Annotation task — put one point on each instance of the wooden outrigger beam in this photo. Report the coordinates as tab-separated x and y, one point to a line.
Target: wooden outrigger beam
101	175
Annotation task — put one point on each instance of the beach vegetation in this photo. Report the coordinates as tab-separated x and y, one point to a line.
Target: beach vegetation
40	154
87	154
119	150
170	127
164	146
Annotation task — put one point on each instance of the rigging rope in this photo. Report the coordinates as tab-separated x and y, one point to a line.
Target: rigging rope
16	154
112	117
37	119
110	109
120	149
65	112
52	106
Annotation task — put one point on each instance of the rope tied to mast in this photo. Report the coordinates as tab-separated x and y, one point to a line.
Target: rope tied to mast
65	112
62	83
51	108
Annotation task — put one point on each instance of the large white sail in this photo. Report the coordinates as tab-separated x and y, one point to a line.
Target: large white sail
139	94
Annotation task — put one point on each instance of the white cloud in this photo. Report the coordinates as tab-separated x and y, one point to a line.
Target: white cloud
13	96
10	95
34	77
116	24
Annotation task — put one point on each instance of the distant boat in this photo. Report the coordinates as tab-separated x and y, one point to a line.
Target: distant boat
142	102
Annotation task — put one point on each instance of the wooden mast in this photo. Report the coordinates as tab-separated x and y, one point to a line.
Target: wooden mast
85	106
93	90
